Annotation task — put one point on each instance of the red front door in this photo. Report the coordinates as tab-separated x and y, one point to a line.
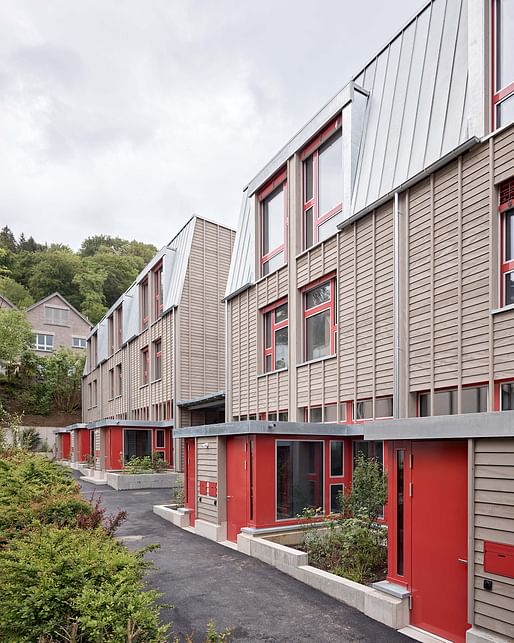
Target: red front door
190	503
439	505
237	496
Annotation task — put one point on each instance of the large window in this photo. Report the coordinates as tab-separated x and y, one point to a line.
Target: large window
157	361
136	442
299	477
157	289
143	298
320	320
507	243
473	400
119	327
322	184
44	343
276	337
503	55
273	208
145	366
363	409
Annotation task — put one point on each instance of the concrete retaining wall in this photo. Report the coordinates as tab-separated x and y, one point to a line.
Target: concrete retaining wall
178	517
124	481
378	605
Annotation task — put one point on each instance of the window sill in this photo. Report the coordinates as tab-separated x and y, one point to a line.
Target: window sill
144	386
159	379
315	361
496	311
278	370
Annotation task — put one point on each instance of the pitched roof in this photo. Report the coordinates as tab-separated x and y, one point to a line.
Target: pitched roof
7	301
64	301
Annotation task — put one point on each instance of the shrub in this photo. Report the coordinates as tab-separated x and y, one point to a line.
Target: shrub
146	464
368	494
64	578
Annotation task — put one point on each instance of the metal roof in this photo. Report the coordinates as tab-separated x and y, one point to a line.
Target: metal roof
417	111
267	427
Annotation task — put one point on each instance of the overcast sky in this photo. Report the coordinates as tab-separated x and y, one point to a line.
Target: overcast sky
126	117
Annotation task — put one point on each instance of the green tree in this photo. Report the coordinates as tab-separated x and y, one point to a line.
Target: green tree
16	337
54	272
15	292
368	494
139	249
8	240
121	271
90	280
63	376
101	243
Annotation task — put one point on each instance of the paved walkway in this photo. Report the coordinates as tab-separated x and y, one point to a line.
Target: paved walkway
204	580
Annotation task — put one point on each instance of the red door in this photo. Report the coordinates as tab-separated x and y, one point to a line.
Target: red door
439	506
237	496
190	503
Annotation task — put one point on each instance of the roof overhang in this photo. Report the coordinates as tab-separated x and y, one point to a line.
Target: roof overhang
77	425
256	427
132	424
499	424
211	401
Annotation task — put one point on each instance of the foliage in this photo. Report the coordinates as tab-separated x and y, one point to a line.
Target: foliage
15	337
146	464
177	492
57	577
28	439
63	376
90	281
369	489
54	272
15	292
354	545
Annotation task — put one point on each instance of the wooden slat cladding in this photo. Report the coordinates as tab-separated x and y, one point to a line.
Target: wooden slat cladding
243	329
207	471
272	288
317	262
493	521
317	383
202	312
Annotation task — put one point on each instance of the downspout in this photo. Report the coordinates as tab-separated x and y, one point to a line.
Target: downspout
227	379
396	307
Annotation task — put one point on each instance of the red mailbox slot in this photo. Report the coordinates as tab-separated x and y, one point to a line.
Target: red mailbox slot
213	489
202	487
499	559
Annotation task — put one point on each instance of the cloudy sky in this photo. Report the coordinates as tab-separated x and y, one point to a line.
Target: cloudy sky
125	117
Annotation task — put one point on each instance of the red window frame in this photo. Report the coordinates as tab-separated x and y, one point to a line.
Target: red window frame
110	333
143	286
119	379
312	149
145	365
157	283
327	305
269	351
498	95
111	383
506	209
280	180
157	353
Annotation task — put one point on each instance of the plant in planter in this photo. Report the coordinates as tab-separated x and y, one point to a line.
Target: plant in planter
354	545
177	493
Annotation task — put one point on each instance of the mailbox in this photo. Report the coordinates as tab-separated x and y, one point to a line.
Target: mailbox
213	489
499	559
202	487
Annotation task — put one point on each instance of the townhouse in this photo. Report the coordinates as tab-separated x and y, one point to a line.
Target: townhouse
370	307
156	361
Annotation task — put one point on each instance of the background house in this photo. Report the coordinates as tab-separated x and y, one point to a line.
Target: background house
56	323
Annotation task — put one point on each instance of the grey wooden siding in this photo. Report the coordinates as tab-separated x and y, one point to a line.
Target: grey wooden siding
493	521
207	470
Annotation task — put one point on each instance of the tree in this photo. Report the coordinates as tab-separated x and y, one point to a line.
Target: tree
63	375
121	271
16	337
101	243
90	280
368	494
15	292
8	240
54	272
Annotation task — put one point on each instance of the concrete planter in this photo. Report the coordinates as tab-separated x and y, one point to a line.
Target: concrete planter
376	604
176	515
124	481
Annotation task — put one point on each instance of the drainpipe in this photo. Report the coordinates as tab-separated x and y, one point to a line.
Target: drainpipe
396	307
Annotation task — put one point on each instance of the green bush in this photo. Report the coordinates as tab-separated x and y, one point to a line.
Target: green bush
55	579
146	464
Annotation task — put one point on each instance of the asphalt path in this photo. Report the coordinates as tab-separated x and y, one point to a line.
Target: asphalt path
202	581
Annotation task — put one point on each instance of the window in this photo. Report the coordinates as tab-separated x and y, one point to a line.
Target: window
299	477
159	439
44	343
90	395
320	321
57	316
92	356
363	409
157	368
273	208
326	414
157	289
276	337
322	184
507	243
507	396
370	450
145	366
119	327
111	383
119	380
136	442
78	342
336	458
110	334
94	394
335	498
143	298
473	400
503	68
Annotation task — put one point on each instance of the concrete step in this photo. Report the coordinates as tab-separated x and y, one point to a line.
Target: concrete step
422	635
